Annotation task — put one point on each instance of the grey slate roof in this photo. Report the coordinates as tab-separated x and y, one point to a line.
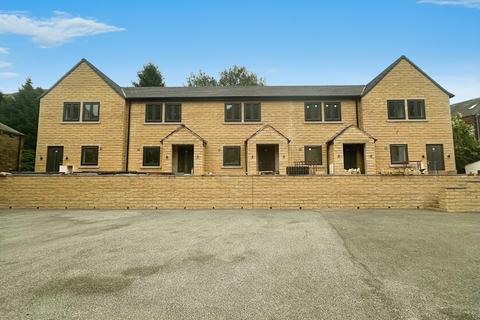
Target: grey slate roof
243	92
265	127
467	108
109	81
342	131
180	127
382	74
252	92
5	128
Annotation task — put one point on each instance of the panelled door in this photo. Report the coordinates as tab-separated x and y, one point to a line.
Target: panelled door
435	159
54	158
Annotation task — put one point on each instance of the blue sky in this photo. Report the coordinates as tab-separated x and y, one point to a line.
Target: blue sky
287	42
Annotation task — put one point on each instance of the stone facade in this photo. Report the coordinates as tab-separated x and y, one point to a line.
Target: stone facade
82	84
403	82
122	131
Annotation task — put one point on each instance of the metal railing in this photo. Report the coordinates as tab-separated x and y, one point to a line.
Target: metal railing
302	168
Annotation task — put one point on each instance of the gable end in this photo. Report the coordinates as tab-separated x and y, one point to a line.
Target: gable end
382	75
107	80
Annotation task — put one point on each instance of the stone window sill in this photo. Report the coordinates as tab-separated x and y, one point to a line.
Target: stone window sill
150	167
232	167
238	123
89	167
407	120
163	123
323	122
80	122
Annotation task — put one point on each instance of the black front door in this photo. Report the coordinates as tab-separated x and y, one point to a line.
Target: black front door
353	157
266	155
54	158
349	156
185	159
435	159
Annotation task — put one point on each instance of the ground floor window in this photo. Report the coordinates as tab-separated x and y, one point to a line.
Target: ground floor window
398	153
89	156
151	156
231	156
313	155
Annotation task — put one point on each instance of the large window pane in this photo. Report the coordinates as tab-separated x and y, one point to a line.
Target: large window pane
252	112
399	153
91	111
231	156
173	112
332	111
89	155
396	109
416	109
313	155
153	112
233	112
151	156
71	111
313	111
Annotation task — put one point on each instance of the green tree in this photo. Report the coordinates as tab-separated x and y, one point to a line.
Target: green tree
201	79
239	76
467	148
20	111
149	76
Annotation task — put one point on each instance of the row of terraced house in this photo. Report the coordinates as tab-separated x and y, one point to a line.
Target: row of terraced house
401	119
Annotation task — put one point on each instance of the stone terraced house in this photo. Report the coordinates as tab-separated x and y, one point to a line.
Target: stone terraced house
11	144
400	119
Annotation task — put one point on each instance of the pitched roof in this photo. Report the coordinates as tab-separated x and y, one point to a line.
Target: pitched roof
467	108
109	81
339	133
265	127
382	75
5	128
222	93
180	127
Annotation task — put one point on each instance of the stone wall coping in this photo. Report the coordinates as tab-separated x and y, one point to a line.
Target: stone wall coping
155	175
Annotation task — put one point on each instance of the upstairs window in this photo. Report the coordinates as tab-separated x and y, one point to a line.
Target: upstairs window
153	112
313	111
173	112
71	111
396	109
313	155
416	109
89	156
91	111
332	111
151	156
252	112
398	153
231	156
233	112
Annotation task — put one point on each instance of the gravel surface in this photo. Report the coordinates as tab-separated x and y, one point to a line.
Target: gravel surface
239	264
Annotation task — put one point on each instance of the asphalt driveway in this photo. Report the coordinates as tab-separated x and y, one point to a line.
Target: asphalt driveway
239	264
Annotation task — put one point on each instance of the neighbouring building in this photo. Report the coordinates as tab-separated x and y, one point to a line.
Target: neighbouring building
473	168
400	119
470	113
11	144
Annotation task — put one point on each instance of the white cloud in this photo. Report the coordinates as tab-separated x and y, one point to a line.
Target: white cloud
8	74
4	64
4	50
60	28
465	3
